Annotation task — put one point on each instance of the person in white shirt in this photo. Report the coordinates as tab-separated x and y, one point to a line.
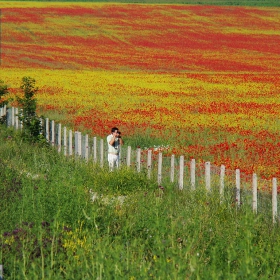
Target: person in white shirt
114	141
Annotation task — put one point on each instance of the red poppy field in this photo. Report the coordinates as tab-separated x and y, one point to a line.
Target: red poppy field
204	79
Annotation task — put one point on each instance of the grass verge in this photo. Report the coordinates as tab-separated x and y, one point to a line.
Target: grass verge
51	228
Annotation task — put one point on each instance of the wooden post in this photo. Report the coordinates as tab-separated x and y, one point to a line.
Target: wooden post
237	179
274	200
76	143
172	168
1	272
41	126
181	173
59	138
65	141
47	127
8	117
149	163
1	112
222	184
94	149
102	153
53	132
80	144
86	147
70	143
138	159
255	193
128	157
21	122
16	118
208	176
193	174
159	168
120	158
13	117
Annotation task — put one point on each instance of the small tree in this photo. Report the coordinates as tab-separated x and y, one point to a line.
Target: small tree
32	127
3	91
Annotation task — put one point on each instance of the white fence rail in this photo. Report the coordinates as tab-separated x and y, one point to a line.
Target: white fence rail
164	169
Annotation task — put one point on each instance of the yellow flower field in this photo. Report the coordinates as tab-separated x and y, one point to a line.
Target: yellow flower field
204	79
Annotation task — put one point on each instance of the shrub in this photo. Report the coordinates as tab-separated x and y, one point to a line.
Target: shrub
32	128
3	91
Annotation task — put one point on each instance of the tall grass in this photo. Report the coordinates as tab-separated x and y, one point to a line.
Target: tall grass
52	228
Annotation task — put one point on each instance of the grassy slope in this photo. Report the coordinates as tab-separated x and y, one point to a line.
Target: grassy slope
50	229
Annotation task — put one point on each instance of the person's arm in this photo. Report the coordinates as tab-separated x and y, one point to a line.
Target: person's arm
112	141
120	140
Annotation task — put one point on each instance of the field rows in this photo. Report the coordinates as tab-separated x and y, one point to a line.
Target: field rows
203	79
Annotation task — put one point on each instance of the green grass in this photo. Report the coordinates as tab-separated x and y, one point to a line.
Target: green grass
259	3
51	229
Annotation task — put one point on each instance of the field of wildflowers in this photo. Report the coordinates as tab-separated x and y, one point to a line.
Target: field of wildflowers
202	79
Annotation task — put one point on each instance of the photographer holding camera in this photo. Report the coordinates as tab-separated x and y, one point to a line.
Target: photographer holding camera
114	141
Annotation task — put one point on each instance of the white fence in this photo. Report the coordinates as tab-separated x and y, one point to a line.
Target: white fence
261	194
3	111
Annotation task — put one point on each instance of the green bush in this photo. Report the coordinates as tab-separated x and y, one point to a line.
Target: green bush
32	128
3	91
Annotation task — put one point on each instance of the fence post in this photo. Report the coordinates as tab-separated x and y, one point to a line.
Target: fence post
2	112
80	143
159	168
59	138
76	142
237	180
274	200
53	132
181	173
86	147
8	116
13	117
101	153
47	128
1	272
21	122
149	163
138	159
208	176
222	184
78	147
255	193
193	174
65	140
172	168
16	118
120	157
70	143
41	125
128	157
94	149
